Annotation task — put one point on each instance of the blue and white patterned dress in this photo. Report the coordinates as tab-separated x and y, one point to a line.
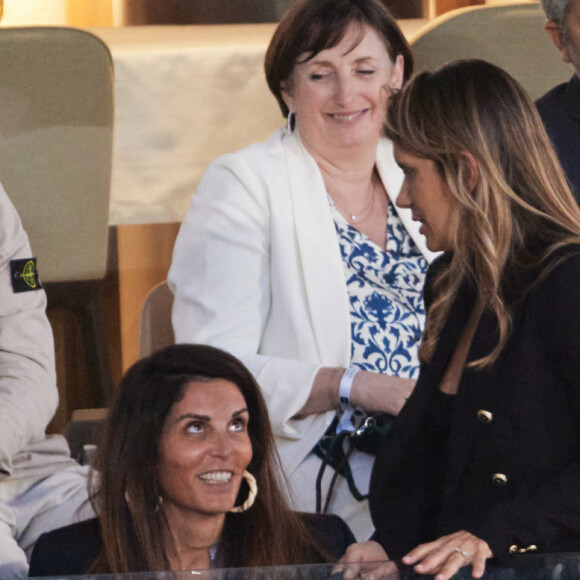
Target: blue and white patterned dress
387	314
385	290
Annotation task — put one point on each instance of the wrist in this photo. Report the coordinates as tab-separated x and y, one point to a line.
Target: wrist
345	403
345	387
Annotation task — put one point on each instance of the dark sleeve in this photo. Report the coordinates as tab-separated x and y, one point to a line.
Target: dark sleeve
549	515
330	532
67	551
41	561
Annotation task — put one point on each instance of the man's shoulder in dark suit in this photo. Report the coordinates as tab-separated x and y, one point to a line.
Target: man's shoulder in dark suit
560	112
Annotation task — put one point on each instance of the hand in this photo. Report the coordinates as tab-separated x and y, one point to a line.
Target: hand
365	560
446	555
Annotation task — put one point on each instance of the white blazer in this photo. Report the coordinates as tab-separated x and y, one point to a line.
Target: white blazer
257	271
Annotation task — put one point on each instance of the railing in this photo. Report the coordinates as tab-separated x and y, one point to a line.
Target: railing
528	567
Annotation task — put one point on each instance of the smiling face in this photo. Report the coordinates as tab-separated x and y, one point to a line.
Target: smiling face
204	449
427	195
339	96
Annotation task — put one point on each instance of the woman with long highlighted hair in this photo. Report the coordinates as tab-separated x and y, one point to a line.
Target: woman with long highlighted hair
484	459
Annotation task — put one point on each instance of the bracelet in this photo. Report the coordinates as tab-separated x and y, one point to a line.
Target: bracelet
345	423
346	385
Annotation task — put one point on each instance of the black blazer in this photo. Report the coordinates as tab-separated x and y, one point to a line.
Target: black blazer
72	550
511	470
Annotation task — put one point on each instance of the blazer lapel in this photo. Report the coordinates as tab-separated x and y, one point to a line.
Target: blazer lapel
319	254
409	426
318	250
573	97
465	424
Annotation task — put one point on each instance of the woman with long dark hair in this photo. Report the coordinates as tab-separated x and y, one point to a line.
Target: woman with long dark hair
187	478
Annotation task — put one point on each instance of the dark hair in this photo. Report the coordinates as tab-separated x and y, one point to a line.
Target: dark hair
521	210
311	26
127	493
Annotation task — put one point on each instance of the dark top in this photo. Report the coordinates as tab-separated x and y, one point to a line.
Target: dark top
511	466
71	550
560	112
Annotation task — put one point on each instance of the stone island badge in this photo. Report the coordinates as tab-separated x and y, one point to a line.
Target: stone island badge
24	275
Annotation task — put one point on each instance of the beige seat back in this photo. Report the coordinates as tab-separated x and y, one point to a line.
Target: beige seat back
56	134
511	36
156	330
56	144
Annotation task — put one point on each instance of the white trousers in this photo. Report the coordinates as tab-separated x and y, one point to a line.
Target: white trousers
30	507
355	513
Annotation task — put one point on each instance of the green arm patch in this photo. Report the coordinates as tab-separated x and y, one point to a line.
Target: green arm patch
24	275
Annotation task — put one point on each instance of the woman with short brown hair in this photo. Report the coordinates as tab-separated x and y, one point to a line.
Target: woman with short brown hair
294	258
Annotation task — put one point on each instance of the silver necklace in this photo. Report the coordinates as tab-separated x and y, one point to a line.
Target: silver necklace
361	215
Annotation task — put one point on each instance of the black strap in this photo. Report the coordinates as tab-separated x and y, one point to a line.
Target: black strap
330	449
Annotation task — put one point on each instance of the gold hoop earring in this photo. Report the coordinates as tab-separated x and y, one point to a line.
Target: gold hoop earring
157	505
251	481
